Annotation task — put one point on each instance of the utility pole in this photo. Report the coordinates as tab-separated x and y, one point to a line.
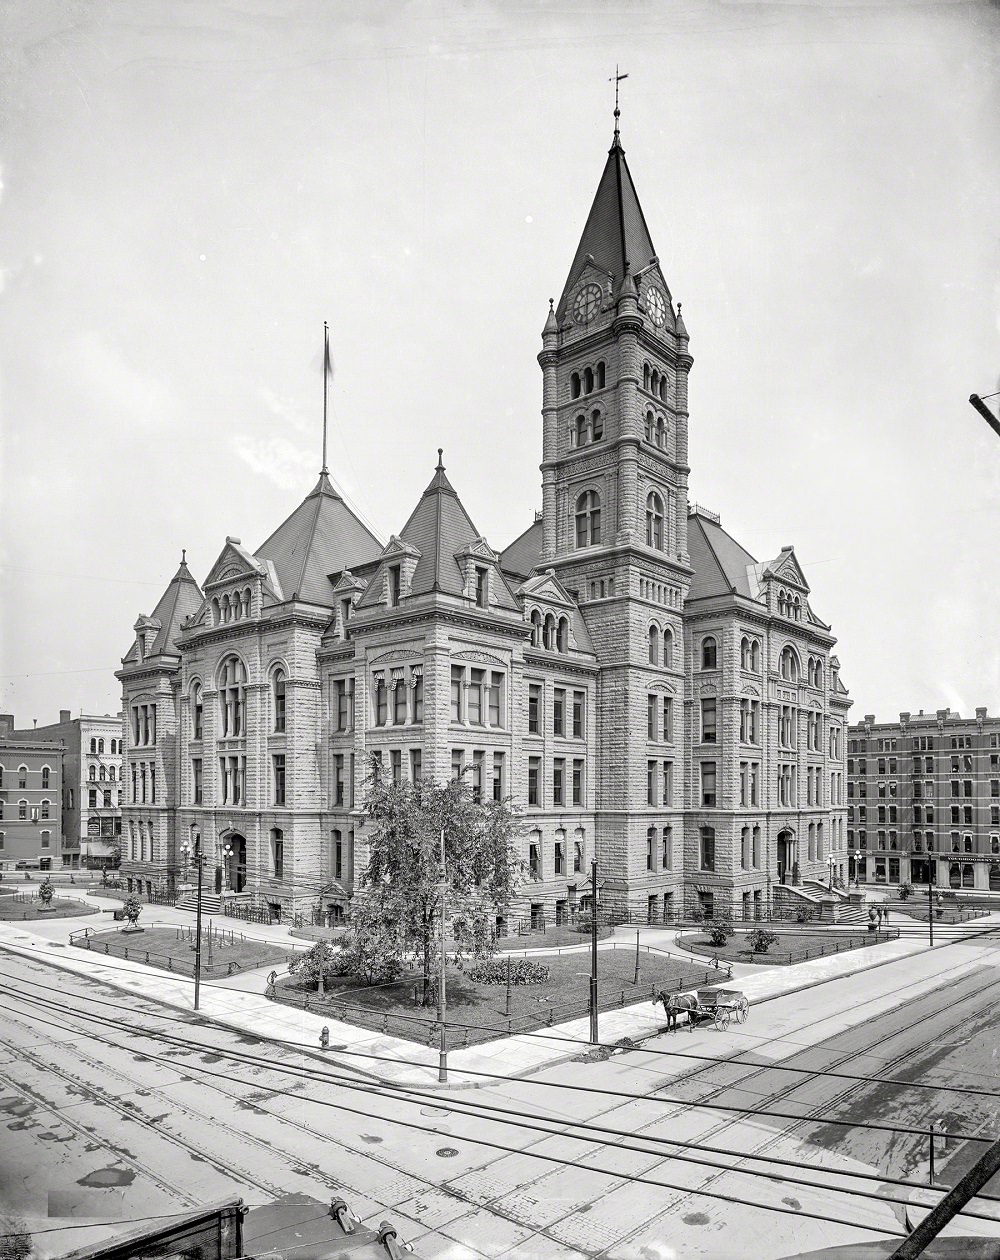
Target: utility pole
442	998
593	954
196	856
930	898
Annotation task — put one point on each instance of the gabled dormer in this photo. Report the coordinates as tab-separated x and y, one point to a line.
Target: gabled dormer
553	616
234	588
393	580
347	591
484	582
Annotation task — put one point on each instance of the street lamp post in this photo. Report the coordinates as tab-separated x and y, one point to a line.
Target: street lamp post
930	905
442	997
199	861
857	868
593	953
831	862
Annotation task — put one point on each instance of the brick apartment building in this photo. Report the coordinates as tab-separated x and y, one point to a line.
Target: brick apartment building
639	685
31	777
924	800
92	785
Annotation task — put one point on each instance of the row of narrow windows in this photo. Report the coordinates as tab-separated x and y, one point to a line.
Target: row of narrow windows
97	746
659	593
654	382
588	520
588	380
588	429
235	607
40	810
656	430
22	776
789	605
101	773
549	633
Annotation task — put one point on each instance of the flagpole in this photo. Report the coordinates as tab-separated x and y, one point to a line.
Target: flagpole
326	374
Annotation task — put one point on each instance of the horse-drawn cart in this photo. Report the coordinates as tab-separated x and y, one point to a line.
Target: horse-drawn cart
718	1006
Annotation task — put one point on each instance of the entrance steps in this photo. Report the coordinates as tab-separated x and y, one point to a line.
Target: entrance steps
211	903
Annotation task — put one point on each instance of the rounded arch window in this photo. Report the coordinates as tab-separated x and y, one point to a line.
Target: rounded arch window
588	519
596	426
588	380
654	521
645	376
663	388
574	385
654	383
709	653
650	426
536	628
111	773
232	697
549	632
102	774
661	432
581	430
668	648
278	695
197	711
654	645
601	375
562	635
216	611
93	772
788	664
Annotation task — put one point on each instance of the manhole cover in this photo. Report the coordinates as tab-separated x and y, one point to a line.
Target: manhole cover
446	1152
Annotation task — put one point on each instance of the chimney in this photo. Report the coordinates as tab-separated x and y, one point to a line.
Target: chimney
64	716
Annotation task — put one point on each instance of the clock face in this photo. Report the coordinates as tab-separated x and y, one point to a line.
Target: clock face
656	308
587	304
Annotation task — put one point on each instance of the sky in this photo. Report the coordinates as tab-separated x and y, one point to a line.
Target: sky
190	189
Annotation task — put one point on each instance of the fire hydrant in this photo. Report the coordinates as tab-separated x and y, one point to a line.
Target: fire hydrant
324	1038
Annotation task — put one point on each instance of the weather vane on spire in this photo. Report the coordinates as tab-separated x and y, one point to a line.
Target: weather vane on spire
616	79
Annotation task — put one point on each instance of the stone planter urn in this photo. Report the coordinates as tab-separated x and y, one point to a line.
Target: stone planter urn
132	909
45	894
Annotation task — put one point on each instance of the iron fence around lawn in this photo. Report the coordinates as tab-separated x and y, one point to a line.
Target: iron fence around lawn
102	942
833	944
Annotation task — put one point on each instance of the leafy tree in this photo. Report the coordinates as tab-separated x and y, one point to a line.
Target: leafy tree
905	890
132	909
721	928
46	891
402	880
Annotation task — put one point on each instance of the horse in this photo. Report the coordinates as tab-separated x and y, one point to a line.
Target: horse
675	1004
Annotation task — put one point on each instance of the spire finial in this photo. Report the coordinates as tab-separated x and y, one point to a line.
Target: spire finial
327	374
440	463
184	555
618	113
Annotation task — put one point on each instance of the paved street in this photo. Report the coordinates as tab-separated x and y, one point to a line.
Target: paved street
154	1110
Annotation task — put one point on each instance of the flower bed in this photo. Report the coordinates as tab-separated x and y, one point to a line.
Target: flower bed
790	947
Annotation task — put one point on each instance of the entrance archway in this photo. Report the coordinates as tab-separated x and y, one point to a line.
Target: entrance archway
236	863
786	856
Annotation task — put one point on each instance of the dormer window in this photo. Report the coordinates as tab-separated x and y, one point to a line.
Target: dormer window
482	588
345	614
394	585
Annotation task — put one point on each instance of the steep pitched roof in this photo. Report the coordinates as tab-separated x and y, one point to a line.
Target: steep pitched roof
181	598
439	527
520	558
616	234
321	536
720	563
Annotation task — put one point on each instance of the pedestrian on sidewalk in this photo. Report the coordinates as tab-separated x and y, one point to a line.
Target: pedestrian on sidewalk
878	912
885	911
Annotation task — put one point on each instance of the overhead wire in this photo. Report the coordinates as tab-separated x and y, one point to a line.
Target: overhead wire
476	1110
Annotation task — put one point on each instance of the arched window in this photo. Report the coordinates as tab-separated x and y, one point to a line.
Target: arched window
649	426
788	665
549	632
588	519
216	611
278	688
22	810
102	774
818	682
46	806
197	712
661	433
588	380
93	772
966	844
709	653
654	383
663	388
596	426
654	645
232	696
100	745
645	376
22	776
601	375
654	521
668	648
744	653
93	745
536	628
111	773
225	608
574	384
45	776
581	430
562	635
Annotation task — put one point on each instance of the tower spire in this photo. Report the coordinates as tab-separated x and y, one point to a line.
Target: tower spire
327	373
618	113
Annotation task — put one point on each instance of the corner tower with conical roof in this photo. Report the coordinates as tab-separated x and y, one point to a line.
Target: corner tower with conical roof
615	366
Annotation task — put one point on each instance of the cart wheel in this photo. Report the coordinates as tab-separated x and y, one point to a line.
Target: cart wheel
722	1018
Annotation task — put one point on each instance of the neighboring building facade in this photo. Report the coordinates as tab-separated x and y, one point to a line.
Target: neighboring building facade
93	790
924	800
30	796
642	689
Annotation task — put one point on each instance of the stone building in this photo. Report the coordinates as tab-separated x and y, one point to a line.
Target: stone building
93	787
636	682
31	777
924	800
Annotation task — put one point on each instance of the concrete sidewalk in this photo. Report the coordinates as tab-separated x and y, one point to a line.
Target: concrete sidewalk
239	1002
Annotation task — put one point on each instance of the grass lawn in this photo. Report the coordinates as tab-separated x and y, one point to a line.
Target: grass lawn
948	914
478	1012
551	938
13	909
170	949
790	947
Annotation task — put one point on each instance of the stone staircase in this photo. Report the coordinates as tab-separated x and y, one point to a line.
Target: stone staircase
847	909
211	903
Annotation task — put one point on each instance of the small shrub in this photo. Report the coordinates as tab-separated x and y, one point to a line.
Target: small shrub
45	890
584	923
721	928
905	890
760	940
697	915
522	971
132	908
801	915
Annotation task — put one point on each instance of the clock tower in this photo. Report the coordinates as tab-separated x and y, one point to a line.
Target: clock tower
615	366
